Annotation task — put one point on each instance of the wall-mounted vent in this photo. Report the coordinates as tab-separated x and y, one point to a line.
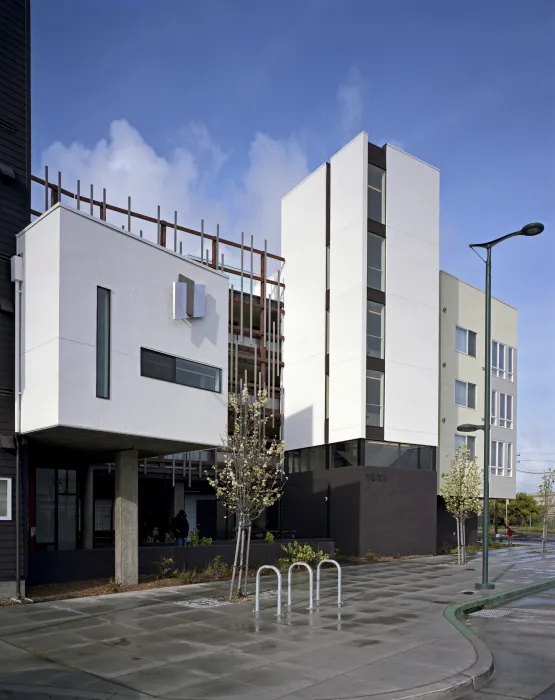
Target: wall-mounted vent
5	125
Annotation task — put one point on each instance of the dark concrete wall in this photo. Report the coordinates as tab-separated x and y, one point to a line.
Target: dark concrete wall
82	564
14	216
385	511
447	528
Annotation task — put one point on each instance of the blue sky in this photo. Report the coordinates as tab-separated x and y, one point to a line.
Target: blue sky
217	108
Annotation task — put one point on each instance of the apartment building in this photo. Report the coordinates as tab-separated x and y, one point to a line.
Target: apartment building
361	239
15	173
462	366
384	357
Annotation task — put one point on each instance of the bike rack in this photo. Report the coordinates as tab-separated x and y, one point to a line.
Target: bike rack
329	561
310	583
257	596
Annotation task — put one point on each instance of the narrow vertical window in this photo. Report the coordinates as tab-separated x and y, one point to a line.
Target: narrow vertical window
102	343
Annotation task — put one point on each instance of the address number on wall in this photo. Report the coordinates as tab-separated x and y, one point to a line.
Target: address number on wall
381	478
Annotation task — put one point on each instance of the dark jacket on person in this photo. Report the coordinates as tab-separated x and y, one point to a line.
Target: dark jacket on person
180	525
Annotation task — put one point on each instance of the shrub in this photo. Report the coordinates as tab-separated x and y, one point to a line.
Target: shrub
187	576
194	538
217	568
299	552
206	540
370	556
269	537
154	537
166	568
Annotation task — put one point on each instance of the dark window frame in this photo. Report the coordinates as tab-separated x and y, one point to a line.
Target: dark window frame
174	360
99	291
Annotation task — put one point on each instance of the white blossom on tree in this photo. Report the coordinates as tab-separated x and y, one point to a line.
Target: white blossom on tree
461	491
546	501
253	477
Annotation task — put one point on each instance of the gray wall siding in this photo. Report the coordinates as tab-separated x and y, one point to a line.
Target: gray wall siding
14	215
385	511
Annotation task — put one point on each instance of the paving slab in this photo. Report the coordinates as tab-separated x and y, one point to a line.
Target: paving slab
389	640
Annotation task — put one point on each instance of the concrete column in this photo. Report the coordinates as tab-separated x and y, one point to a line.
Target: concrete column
126	522
88	510
178	497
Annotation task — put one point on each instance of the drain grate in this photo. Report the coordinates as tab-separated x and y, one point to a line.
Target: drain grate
203	603
498	612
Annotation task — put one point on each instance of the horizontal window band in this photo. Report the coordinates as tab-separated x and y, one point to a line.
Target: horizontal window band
377	156
375	227
375	295
375	363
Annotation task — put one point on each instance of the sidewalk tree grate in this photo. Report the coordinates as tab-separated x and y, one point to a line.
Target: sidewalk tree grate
497	612
203	603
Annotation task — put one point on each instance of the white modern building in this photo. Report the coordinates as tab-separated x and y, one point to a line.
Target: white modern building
462	366
122	353
381	364
361	239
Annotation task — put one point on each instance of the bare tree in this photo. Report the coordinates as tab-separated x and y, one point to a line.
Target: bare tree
546	501
461	491
252	479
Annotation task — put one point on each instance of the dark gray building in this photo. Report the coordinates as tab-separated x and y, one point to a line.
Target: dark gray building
15	173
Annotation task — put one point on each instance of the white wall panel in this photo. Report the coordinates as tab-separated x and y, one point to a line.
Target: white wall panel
348	224
412	300
303	244
92	253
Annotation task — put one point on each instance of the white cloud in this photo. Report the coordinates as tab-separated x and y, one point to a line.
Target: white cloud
186	180
350	96
275	167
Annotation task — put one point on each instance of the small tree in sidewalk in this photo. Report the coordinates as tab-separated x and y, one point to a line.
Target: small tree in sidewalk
546	502
461	491
252	479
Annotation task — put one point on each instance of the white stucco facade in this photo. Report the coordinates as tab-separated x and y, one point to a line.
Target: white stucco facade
412	299
347	297
409	362
463	306
303	244
67	255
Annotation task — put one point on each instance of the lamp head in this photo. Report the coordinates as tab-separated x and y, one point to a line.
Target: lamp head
532	229
469	428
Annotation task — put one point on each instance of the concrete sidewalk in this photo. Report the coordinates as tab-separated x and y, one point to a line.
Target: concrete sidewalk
389	640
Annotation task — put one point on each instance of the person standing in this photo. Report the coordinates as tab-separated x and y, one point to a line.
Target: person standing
509	535
180	528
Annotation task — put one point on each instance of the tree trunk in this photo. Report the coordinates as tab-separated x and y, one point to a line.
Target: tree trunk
241	557
459	543
463	542
247	558
544	535
235	563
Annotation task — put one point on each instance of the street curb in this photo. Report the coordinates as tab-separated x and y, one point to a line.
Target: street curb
478	675
482	670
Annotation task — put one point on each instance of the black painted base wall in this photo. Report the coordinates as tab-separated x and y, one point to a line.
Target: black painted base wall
391	512
84	564
447	529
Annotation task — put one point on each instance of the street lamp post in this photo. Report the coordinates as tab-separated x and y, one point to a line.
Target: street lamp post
528	230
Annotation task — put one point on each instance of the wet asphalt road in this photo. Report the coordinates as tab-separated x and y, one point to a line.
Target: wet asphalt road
522	642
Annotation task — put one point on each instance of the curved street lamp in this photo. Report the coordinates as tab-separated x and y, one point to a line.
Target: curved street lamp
532	229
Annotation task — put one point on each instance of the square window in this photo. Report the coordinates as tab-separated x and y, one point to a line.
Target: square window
376	194
374	329
374	398
465	394
375	254
5	499
465	341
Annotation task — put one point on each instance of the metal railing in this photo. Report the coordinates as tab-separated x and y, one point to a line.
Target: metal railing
318	574
257	594
310	583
